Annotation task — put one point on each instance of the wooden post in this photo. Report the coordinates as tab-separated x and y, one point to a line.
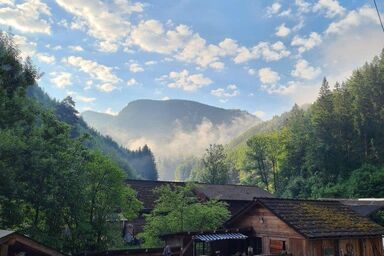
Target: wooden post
4	250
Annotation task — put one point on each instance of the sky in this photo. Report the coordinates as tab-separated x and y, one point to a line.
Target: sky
261	56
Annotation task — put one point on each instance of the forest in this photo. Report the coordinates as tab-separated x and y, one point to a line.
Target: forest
331	148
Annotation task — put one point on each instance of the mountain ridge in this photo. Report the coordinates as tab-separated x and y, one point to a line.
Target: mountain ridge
171	127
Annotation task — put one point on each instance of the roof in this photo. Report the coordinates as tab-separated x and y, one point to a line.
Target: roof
364	207
145	190
22	242
246	230
232	192
4	233
217	237
146	195
317	218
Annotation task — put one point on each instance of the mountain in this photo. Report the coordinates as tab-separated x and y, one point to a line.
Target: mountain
237	146
174	129
137	164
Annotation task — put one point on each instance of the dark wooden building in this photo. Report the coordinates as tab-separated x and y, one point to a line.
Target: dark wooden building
236	196
308	228
13	243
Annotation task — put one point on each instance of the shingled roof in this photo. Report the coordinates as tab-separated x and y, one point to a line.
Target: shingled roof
318	218
239	193
232	192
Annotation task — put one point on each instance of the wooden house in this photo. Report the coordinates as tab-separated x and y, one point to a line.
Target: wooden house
236	196
13	243
308	228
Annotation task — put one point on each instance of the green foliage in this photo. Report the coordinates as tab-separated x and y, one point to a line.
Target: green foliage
215	168
136	164
262	160
334	148
177	209
52	187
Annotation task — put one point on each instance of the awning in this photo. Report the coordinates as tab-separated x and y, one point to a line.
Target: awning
216	237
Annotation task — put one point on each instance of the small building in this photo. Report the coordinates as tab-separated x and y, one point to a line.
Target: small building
236	196
308	228
13	243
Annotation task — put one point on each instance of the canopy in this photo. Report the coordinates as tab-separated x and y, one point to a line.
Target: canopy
216	237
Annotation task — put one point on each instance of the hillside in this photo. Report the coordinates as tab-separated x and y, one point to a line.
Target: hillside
174	129
137	164
332	148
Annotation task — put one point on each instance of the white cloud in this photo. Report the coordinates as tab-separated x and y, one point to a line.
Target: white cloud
282	30
85	99
290	88
7	2
165	98
132	82
109	111
363	16
150	62
268	76
252	71
151	36
81	98
303	6
135	68
106	87
94	70
182	43
26	47
273	9
46	58
304	71
264	50
228	47
306	43
228	92
88	85
285	13
331	8
186	81
76	48
106	21
217	65
61	79
260	114
31	16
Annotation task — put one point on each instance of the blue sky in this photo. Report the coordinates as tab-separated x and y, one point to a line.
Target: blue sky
257	55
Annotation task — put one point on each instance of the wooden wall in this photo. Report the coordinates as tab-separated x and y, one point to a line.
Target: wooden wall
272	231
358	246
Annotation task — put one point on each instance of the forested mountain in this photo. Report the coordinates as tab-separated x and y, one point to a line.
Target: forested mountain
173	129
138	163
333	148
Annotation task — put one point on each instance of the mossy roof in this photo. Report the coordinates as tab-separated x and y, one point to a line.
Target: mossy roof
321	218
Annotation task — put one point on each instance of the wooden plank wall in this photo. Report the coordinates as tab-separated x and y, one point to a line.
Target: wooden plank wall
272	230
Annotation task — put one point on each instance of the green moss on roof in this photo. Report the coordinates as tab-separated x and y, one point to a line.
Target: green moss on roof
322	218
